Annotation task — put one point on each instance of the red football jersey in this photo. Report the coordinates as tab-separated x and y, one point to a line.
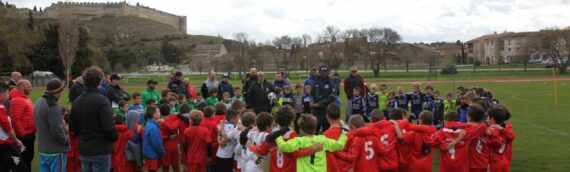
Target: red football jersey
509	149
361	154
403	147
456	158
167	128
479	152
197	138
211	125
119	160
182	125
385	133
499	140
334	133
421	141
280	162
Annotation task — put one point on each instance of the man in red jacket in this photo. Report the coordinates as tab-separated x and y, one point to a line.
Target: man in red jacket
22	110
9	143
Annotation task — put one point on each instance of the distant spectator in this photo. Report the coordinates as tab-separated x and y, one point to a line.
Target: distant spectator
209	84
76	89
177	86
257	95
115	93
22	113
225	87
352	81
149	93
312	77
191	90
280	81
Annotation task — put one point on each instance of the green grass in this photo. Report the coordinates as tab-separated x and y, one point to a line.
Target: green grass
542	128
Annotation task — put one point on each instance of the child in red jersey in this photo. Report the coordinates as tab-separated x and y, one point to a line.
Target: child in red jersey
509	147
478	146
400	115
500	137
169	132
183	122
220	112
360	152
421	141
334	132
387	132
73	163
196	142
119	161
209	122
453	153
281	162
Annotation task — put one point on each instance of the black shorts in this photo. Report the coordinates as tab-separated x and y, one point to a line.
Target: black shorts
11	158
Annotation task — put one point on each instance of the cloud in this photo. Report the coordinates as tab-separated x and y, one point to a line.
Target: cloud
415	20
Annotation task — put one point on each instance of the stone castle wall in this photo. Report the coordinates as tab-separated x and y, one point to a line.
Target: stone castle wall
90	9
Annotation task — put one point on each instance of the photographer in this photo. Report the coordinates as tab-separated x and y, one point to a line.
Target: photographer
115	93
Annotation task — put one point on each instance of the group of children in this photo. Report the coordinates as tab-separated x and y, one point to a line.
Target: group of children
471	133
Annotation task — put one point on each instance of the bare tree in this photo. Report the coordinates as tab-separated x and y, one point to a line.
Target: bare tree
555	43
306	40
382	44
242	45
330	37
282	52
68	41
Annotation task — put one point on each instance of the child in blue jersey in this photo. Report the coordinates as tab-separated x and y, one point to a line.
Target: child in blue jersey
392	103
438	109
137	106
358	103
287	96
429	98
416	99
465	102
371	99
401	99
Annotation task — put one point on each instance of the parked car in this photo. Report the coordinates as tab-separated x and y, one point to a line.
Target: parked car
43	74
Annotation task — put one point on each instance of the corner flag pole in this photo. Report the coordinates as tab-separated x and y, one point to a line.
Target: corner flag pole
554	80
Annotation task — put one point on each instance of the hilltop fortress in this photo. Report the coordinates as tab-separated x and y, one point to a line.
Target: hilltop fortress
89	10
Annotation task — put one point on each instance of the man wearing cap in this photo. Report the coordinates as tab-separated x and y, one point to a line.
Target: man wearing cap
178	86
22	113
115	93
324	93
257	94
92	121
76	89
225	87
149	93
312	77
209	84
53	139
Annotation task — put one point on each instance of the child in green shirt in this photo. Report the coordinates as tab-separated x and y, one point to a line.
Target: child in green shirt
213	99
173	102
383	98
448	103
237	95
123	107
318	162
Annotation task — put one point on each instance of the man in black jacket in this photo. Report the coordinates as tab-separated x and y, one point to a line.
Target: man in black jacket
92	121
324	93
76	89
257	94
249	81
178	86
115	93
353	80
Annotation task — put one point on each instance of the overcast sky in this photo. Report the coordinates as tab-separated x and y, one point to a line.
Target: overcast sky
415	20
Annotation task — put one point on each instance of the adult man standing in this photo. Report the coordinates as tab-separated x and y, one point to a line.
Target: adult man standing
249	81
92	121
10	145
14	78
312	77
209	84
149	93
104	83
115	93
225	87
324	93
280	81
22	110
178	86
76	89
353	81
53	139
257	94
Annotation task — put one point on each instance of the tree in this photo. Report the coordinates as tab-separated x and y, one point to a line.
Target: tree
84	54
242	46
555	43
330	37
306	40
170	53
68	32
16	43
408	53
46	56
383	44
282	52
